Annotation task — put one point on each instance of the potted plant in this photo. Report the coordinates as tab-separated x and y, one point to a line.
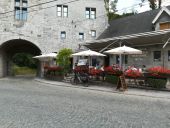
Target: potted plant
157	76
63	60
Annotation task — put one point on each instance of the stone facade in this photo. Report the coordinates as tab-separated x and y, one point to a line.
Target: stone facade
43	27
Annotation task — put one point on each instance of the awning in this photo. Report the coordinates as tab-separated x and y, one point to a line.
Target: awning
135	40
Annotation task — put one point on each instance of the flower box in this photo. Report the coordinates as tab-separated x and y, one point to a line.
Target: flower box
55	78
112	79
156	82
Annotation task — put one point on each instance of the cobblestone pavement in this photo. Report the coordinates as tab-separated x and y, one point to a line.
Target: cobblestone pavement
25	103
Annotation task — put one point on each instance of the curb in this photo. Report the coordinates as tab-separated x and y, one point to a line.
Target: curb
109	91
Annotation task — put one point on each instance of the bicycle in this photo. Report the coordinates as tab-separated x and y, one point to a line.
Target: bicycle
80	78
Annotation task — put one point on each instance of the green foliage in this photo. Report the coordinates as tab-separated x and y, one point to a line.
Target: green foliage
63	59
154	4
113	5
113	16
110	6
24	60
112	79
157	83
23	70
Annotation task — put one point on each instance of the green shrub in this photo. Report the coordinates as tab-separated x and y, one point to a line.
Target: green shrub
23	70
156	82
112	79
63	59
24	60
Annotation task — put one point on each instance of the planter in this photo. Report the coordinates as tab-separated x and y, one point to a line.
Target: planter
157	82
55	78
164	75
112	79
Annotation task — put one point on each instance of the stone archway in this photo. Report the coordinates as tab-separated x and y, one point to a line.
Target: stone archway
10	48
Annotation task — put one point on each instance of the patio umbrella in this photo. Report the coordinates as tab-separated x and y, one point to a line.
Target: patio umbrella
124	50
46	57
88	53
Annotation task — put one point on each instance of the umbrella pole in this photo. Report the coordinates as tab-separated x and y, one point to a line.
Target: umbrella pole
120	60
124	62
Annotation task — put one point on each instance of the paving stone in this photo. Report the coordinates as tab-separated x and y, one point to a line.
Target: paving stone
25	103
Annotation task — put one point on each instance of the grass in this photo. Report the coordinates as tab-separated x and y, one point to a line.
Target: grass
23	70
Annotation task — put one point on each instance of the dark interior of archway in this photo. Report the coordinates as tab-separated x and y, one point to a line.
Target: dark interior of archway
19	46
13	47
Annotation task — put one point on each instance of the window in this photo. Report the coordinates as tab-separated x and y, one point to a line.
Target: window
93	33
93	13
24	4
17	3
17	13
81	36
59	10
168	55
157	55
21	10
90	13
65	11
24	14
164	25
63	35
87	13
62	10
124	59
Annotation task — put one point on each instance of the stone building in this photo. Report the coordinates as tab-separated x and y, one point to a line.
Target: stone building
148	31
44	26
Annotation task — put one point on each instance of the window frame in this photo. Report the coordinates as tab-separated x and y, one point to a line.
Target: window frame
62	12
124	59
81	34
89	14
21	12
59	11
168	55
65	7
63	33
156	56
93	31
93	14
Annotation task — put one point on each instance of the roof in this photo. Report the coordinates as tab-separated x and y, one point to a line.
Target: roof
138	23
164	9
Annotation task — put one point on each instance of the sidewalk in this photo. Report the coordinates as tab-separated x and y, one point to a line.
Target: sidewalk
130	91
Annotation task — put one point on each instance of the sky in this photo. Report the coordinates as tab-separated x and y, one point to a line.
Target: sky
129	5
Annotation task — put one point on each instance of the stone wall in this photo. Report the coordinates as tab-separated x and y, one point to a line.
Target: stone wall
43	27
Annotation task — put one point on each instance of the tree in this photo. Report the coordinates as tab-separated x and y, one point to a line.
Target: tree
24	60
63	59
110	7
113	5
154	4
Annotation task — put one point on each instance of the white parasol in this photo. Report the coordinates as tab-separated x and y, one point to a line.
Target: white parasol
124	50
88	53
46	57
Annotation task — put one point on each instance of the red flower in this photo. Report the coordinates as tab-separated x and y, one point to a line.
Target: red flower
158	71
94	72
112	71
81	69
133	73
54	68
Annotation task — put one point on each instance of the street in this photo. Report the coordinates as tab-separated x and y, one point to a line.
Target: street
25	103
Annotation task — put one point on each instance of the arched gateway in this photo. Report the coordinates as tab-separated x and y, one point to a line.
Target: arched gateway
9	48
